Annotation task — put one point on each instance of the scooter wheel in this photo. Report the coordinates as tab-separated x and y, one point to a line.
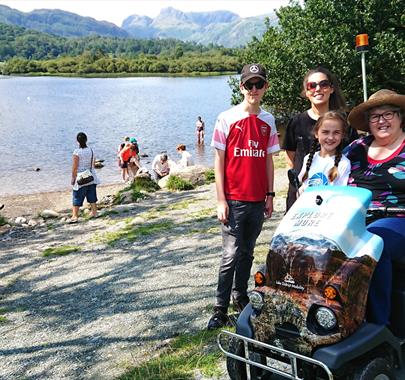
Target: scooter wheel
237	369
376	369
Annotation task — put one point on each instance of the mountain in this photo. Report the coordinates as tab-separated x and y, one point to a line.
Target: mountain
218	27
60	23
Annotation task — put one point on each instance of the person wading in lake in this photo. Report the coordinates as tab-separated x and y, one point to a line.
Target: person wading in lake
83	159
245	138
199	130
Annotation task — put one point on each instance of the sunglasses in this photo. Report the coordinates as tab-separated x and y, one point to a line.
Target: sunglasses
323	85
259	85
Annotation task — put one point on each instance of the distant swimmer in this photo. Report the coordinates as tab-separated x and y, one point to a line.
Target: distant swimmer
199	130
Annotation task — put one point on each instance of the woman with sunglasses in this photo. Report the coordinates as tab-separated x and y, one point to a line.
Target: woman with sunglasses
378	164
322	90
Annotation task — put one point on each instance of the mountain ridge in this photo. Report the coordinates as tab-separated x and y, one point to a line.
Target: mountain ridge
221	27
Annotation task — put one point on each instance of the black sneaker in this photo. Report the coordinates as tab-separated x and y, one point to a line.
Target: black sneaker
218	320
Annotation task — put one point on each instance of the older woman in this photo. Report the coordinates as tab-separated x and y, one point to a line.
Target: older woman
378	164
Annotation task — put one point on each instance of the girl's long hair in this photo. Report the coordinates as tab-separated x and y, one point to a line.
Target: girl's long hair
82	139
333	172
336	100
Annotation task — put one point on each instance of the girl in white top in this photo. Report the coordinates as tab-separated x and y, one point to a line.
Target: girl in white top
325	164
186	159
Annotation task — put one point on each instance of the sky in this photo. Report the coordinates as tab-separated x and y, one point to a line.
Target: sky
116	11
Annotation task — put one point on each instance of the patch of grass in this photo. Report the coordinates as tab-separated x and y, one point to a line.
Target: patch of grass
176	183
131	233
185	355
204	213
261	251
209	176
60	251
3	319
3	221
280	160
138	188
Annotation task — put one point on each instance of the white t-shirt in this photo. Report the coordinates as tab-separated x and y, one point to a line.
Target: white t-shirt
157	165
185	160
318	173
85	163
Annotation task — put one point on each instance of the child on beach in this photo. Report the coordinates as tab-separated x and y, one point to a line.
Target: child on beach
186	159
124	170
326	166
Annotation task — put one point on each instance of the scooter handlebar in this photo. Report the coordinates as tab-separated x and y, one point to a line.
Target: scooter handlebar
384	211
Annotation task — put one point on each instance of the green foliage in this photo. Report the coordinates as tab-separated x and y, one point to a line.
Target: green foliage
138	187
320	32
60	251
3	220
177	183
26	51
184	356
209	176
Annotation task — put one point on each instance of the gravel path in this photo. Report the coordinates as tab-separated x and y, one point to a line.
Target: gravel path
90	314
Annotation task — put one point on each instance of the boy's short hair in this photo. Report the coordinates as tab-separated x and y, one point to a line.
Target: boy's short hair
163	156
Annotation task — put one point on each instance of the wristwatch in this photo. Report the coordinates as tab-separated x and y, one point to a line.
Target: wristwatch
271	194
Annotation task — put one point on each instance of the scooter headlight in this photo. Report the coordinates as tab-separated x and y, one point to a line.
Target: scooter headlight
326	318
256	300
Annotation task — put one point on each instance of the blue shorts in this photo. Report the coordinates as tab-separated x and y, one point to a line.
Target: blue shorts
88	192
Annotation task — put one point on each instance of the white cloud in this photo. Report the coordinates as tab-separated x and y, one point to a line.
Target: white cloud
117	10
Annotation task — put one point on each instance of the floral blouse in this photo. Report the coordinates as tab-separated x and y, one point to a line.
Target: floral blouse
384	178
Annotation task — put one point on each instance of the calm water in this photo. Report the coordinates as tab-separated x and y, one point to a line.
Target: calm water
40	117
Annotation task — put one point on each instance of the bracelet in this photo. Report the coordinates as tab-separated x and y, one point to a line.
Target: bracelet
271	194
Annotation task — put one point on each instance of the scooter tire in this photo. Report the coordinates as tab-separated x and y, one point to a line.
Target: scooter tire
237	369
376	369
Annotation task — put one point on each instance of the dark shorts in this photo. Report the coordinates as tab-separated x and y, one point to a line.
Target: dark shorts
124	165
88	192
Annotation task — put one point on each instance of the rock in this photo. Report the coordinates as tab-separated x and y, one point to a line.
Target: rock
32	223
98	165
20	220
194	174
48	214
143	155
107	200
36	169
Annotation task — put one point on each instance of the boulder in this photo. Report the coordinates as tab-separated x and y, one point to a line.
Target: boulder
20	220
48	214
194	174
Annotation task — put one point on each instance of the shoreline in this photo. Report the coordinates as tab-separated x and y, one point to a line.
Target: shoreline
58	200
31	204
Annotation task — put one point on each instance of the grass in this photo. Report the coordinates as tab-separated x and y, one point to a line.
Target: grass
3	220
176	183
131	233
184	356
280	160
60	251
137	188
209	176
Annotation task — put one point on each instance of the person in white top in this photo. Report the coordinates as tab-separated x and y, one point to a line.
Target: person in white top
83	159
325	164
160	166
186	158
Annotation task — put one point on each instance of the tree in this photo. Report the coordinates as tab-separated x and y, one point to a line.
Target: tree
322	32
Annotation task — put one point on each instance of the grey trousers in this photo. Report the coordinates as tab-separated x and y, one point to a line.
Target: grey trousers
238	240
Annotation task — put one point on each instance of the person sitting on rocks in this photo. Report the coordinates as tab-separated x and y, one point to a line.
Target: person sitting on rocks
186	158
160	166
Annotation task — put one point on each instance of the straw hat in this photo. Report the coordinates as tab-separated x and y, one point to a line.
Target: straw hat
380	98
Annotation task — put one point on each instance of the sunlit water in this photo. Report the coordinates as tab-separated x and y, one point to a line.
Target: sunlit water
40	117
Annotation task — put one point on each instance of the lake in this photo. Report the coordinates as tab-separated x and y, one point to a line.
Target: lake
40	117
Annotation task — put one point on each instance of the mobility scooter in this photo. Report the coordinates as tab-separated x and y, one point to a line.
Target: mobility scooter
305	319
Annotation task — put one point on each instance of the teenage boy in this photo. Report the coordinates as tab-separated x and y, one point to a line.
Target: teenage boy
245	138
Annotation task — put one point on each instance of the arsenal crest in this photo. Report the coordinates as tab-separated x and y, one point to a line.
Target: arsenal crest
263	129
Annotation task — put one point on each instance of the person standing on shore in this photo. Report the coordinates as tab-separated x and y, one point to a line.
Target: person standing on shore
200	130
322	90
245	139
83	159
